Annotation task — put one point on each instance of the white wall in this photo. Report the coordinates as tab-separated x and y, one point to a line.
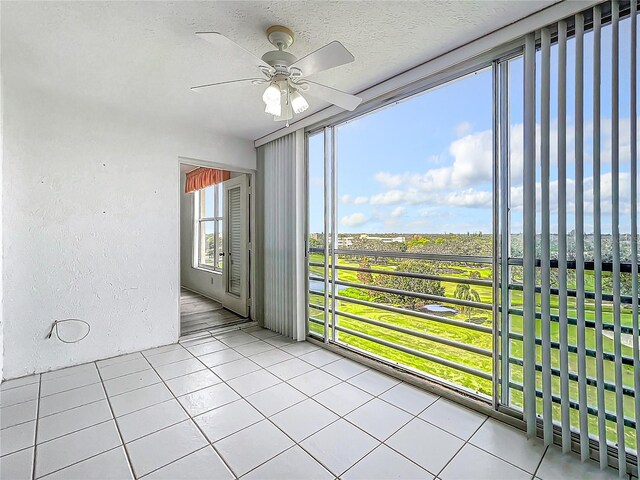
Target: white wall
90	223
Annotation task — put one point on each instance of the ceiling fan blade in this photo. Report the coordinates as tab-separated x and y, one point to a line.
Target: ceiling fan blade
331	55
199	88
223	43
331	95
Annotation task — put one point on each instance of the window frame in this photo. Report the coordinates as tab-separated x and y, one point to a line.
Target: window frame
198	225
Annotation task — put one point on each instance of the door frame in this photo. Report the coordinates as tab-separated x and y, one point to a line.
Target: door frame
196	162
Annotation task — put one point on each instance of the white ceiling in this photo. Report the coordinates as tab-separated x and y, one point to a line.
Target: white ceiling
144	55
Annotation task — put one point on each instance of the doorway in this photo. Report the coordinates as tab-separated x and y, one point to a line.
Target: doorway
215	257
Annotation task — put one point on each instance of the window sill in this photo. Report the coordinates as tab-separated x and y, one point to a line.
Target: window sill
207	269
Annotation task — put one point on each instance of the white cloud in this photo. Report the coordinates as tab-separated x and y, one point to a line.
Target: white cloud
360	200
354	220
463	129
398	212
467	198
388	198
473	159
345	199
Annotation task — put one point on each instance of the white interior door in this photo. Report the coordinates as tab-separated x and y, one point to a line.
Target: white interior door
236	244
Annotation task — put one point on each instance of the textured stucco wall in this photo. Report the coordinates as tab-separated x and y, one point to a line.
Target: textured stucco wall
90	223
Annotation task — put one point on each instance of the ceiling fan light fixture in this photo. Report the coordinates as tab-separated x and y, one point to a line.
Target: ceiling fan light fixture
273	108
298	102
286	112
272	95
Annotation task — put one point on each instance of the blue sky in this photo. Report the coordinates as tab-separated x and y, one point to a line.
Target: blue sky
424	165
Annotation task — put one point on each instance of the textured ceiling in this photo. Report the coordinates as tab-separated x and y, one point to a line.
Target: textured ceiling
142	57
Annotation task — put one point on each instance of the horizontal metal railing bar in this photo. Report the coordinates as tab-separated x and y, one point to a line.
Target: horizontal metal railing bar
317	279
422	296
573	405
574	349
629	392
469	281
315	292
416	353
625	299
319	322
317	307
413	313
409	255
424	276
574	321
571	265
414	333
572	293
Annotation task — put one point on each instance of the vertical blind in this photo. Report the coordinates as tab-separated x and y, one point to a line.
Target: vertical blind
279	172
580	360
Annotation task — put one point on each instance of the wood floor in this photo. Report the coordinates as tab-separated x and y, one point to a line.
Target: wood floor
201	313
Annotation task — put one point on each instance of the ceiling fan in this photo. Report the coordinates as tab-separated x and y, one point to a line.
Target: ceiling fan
285	75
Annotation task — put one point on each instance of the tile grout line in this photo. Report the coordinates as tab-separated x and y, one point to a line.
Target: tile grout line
4	390
113	417
535	472
79	461
35	436
460	449
182	457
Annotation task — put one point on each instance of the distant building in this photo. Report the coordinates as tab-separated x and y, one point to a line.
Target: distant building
383	239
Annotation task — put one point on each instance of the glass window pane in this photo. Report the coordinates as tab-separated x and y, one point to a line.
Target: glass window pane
209	202
220	243
207	243
220	203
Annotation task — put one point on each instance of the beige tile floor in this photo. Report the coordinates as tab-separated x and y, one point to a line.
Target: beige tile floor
251	404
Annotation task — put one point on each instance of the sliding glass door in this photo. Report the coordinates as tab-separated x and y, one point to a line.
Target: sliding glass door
401	234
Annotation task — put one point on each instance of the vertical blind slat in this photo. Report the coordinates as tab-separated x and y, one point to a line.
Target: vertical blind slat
579	235
615	229
634	214
545	256
562	236
529	197
327	183
334	233
597	231
504	235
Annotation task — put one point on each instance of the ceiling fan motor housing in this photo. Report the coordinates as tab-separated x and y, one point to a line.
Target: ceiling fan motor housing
281	38
279	59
